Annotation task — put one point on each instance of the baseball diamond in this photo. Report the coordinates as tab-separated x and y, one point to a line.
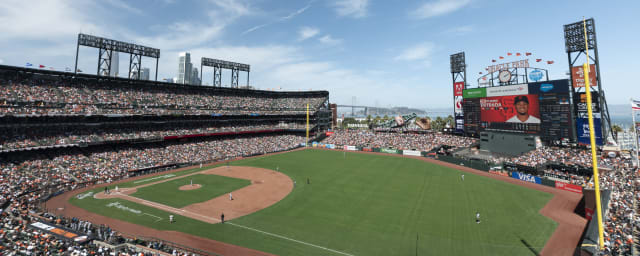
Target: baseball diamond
424	200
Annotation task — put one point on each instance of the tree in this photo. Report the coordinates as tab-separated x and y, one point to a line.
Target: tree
348	120
616	129
368	119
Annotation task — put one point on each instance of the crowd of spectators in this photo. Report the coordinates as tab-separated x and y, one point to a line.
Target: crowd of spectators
403	141
27	177
545	154
620	218
12	138
50	97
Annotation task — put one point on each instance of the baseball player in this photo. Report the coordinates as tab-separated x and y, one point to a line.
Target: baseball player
170	218
477	217
222	217
200	165
192	182
230	196
462	177
116	188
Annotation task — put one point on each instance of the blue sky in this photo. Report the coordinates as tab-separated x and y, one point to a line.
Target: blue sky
385	53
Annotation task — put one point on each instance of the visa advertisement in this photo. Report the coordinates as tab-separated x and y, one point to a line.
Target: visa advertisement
510	109
526	177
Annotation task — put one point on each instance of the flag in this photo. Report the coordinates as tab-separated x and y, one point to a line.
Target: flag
549	62
527	53
501	57
493	60
538	60
518	54
484	78
42	66
508	54
635	105
29	64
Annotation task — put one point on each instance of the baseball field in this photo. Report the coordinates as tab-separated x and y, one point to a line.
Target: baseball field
335	203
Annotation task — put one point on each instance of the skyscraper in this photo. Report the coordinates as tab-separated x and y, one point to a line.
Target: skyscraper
184	68
195	78
115	64
144	74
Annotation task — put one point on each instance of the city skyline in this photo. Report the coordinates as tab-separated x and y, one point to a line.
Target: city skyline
393	54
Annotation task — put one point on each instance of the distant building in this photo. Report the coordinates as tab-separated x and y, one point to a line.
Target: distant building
184	68
195	78
115	64
144	74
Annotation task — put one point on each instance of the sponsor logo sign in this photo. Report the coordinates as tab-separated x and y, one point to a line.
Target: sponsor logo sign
583	131
474	93
578	76
411	153
352	148
581	102
519	89
501	173
568	187
367	149
389	150
70	235
526	177
535	75
458	87
546	87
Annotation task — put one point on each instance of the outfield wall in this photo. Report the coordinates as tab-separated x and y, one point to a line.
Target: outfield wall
520	172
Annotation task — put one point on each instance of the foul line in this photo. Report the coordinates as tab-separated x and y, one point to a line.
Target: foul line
159	219
290	239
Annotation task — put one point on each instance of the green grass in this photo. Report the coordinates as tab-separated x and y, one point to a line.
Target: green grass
376	205
167	193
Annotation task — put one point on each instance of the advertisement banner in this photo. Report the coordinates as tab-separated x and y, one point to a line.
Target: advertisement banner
577	74
474	93
526	177
389	150
458	105
344	147
460	124
352	148
314	144
582	128
458	88
580	100
519	89
367	149
331	146
501	173
505	109
569	187
411	153
555	86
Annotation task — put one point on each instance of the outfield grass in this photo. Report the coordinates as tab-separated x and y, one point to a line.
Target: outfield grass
375	205
167	193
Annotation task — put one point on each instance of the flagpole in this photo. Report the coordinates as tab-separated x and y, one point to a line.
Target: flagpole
592	137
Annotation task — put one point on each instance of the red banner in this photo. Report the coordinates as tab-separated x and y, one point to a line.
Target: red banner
328	133
578	76
502	109
501	173
569	187
457	88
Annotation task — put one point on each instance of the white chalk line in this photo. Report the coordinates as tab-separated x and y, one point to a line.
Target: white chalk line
166	207
159	219
290	239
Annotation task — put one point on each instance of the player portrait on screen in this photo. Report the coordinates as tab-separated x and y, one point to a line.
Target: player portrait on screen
521	105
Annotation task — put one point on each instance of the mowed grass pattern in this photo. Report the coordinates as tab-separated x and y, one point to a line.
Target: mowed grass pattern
168	192
365	204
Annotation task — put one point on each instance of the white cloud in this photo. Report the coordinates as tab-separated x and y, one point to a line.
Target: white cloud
1	61
236	8
281	19
328	40
125	6
352	8
307	32
418	52
49	20
437	8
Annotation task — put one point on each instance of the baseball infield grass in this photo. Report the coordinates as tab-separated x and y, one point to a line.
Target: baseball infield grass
364	204
168	193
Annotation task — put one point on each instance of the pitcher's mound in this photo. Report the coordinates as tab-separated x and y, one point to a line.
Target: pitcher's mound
190	187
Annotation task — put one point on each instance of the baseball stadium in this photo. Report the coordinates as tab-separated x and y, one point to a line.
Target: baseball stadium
96	164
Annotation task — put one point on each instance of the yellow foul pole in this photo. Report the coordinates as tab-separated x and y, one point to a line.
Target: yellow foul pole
307	126
594	157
